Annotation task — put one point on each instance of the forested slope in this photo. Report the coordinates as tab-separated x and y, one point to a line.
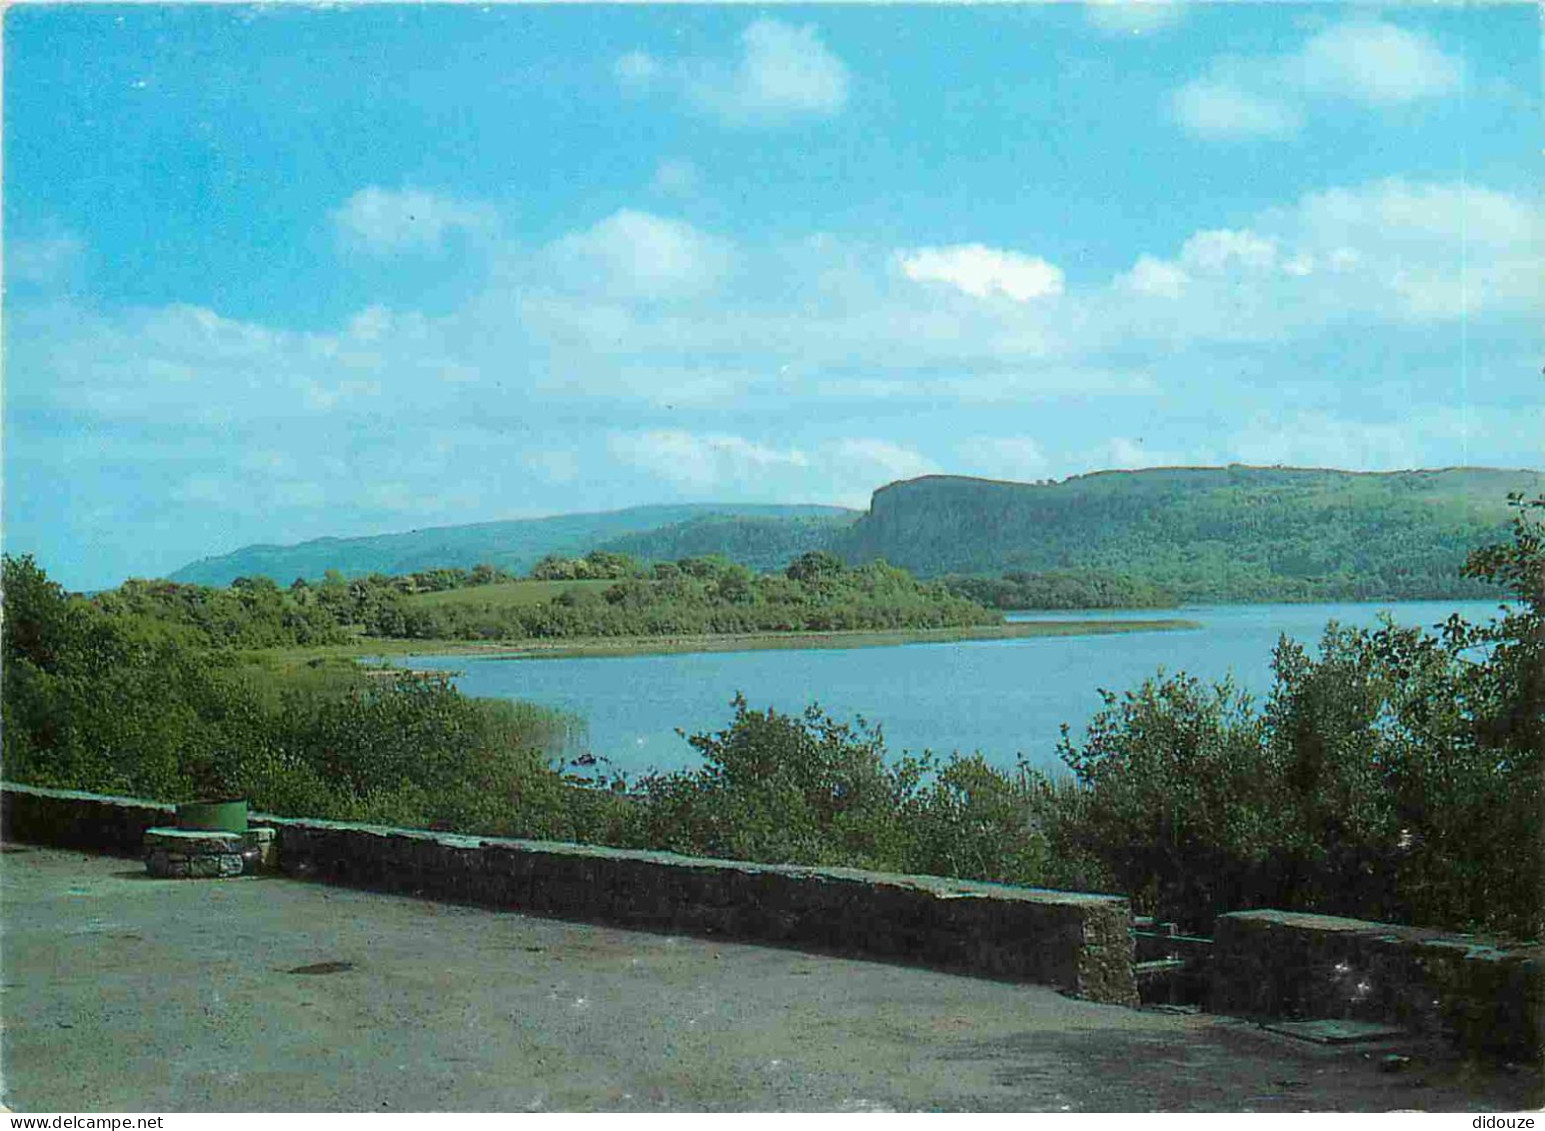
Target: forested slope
515	546
766	544
1222	534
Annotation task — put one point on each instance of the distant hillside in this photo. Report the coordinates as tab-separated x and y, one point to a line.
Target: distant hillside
1203	534
765	544
515	545
1207	534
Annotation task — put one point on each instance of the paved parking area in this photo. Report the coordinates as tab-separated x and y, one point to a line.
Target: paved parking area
133	994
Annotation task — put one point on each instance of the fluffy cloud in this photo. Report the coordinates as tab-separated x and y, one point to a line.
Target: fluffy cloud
782	74
654	311
386	221
982	271
1366	62
641	255
1220	110
1387	251
1131	453
1150	276
623	363
1374	63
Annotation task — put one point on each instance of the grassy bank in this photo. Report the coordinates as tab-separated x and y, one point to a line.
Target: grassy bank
718	642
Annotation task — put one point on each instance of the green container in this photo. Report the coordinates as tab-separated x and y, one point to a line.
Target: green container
218	816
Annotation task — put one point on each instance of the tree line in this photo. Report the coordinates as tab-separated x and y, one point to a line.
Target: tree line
818	592
1394	773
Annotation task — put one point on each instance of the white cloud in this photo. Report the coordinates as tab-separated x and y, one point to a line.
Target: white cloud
1150	276
1443	251
981	271
1132	17
622	361
1390	251
862	458
387	221
640	255
1363	61
1131	453
1375	63
1398	211
1219	249
781	74
1220	110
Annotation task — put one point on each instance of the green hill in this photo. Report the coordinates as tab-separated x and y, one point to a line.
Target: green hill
1200	533
515	545
1206	534
763	543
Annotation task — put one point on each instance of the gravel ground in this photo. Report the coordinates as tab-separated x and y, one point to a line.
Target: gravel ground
127	993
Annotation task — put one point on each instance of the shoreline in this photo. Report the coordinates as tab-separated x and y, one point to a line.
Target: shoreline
599	647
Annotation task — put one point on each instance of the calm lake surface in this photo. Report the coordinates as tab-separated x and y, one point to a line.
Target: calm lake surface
1002	697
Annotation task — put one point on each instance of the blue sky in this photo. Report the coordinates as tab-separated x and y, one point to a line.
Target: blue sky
279	272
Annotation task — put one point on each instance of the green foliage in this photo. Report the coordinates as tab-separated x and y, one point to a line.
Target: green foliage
694	595
1061	589
814	567
779	788
130	697
809	789
1205	534
763	544
252	613
598	565
1394	775
1175	794
513	546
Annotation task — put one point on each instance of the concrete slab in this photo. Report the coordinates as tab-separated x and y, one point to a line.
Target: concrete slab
122	992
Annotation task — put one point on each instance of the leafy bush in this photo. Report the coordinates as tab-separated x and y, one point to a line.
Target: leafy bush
1394	775
100	698
809	789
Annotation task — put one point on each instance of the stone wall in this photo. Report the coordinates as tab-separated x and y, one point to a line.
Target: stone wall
1293	964
1079	943
70	819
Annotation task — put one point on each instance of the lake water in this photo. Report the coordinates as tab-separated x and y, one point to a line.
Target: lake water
1002	697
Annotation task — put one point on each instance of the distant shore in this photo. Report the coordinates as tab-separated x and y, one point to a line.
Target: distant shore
745	642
